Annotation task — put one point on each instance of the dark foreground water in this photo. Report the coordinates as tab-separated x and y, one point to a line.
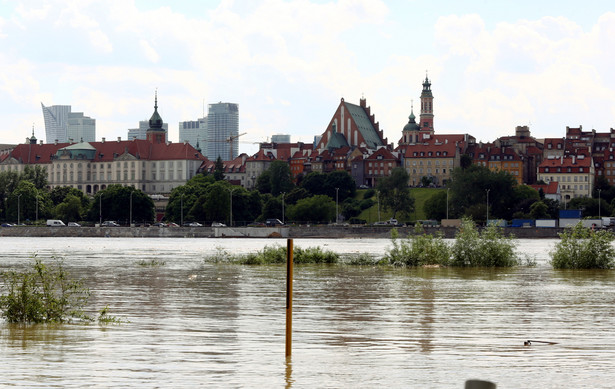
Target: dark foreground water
198	324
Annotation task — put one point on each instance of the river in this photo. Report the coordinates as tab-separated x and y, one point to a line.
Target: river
194	323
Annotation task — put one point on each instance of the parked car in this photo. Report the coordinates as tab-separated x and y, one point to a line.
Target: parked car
273	222
6	225
109	223
160	224
216	224
55	223
73	224
193	224
173	224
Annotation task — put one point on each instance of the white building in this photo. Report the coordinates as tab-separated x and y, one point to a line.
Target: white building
194	132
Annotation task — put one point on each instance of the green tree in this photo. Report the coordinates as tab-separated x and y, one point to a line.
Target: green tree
59	194
272	208
70	210
263	182
185	198
469	187
37	175
219	169
314	183
435	206
281	181
217	203
24	200
345	184
465	161
315	209
395	194
539	210
115	202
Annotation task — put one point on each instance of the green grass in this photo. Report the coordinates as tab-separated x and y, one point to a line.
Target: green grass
420	196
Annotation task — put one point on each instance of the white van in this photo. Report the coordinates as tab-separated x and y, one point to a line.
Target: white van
55	223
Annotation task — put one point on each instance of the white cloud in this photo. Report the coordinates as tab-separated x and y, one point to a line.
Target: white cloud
149	51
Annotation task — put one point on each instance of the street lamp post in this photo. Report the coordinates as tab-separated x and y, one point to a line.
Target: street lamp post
181	209
487	205
378	198
18	208
447	189
337	218
130	220
599	214
36	214
283	193
230	192
100	209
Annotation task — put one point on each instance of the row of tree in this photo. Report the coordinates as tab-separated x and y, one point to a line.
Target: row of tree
25	197
476	191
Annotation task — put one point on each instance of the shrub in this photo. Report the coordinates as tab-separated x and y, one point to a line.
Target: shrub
365	204
277	255
418	249
369	193
491	248
43	294
581	248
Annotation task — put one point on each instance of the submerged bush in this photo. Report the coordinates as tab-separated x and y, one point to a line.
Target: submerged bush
46	294
277	255
418	249
581	248
43	294
489	248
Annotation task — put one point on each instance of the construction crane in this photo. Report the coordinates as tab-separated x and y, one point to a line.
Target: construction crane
230	140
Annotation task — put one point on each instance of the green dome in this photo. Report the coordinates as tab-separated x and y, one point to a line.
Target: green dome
411	125
155	122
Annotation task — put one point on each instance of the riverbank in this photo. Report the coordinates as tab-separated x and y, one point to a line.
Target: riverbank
335	232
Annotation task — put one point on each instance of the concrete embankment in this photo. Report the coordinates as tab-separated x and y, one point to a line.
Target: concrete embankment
330	232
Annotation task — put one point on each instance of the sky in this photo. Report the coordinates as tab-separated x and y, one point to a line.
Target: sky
493	65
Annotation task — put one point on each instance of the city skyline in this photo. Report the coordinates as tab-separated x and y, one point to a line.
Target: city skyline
492	68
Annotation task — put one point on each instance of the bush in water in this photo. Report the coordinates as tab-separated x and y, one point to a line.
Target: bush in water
43	294
489	248
581	248
418	250
46	294
277	255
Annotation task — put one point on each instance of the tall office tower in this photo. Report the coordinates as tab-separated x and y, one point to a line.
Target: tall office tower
56	118
63	125
222	126
140	133
80	128
194	132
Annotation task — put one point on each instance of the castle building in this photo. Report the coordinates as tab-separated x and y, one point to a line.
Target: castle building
152	165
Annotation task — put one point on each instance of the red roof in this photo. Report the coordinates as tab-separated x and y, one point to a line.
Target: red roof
109	150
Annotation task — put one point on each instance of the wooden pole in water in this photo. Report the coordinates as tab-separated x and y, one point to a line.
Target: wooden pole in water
289	297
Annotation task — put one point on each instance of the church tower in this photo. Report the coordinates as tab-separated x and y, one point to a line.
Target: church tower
411	131
156	133
426	118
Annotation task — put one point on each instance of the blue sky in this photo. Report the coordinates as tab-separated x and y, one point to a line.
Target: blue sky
493	65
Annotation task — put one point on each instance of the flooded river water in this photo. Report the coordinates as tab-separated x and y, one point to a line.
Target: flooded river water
193	323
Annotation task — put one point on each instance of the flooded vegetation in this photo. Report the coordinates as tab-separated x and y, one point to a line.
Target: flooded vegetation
194	322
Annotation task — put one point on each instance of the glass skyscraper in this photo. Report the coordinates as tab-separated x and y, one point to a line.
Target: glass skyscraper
194	132
63	125
222	124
